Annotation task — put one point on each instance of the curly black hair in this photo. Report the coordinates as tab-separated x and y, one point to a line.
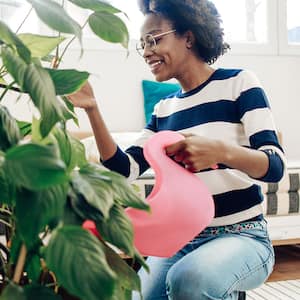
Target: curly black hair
199	16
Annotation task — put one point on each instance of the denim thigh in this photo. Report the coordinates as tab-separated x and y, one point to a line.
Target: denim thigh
212	266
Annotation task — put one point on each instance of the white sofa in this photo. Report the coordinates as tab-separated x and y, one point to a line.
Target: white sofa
281	204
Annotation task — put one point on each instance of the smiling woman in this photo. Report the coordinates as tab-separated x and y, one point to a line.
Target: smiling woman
227	121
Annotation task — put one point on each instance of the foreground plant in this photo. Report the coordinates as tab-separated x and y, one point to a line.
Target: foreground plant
48	188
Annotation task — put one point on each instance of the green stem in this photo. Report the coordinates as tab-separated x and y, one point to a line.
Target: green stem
26	17
70	42
7	88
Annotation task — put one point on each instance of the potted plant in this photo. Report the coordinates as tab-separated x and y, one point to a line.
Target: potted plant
48	188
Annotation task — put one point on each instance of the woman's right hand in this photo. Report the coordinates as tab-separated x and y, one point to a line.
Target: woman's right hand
84	98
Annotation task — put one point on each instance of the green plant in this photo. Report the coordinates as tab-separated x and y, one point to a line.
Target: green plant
48	188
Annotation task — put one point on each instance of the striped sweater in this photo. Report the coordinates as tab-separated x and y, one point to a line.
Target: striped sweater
232	106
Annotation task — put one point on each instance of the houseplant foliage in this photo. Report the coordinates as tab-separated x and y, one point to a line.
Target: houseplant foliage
48	188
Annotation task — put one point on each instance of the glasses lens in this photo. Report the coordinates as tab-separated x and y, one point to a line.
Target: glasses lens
140	46
148	42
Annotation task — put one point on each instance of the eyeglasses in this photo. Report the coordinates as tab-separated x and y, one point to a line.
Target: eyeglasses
150	41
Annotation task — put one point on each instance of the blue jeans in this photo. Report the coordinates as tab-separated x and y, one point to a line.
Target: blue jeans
215	265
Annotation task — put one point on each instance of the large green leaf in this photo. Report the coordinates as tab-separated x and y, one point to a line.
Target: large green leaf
120	293
96	5
82	208
67	81
38	83
127	277
53	14
38	292
68	112
13	292
78	157
33	267
97	192
78	261
40	45
72	151
124	192
15	66
16	244
10	38
141	260
70	216
7	195
9	130
117	230
109	28
35	210
34	166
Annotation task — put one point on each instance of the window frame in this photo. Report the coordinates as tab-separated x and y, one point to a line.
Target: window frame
283	45
277	35
268	48
242	48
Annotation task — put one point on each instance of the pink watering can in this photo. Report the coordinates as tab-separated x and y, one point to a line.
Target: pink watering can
181	205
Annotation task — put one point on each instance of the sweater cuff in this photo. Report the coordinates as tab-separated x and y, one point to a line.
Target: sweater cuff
276	167
119	163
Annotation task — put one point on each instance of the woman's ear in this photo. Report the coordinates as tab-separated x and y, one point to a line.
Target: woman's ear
190	39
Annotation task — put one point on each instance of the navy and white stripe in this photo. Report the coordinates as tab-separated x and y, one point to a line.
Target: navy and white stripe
232	106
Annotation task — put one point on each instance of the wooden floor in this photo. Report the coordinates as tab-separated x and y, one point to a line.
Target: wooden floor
276	290
287	263
284	282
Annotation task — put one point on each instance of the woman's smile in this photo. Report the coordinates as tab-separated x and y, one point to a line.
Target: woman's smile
155	65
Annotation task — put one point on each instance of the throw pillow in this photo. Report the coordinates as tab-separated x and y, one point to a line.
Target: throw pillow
155	91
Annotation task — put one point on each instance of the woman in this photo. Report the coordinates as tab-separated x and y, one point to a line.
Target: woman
227	121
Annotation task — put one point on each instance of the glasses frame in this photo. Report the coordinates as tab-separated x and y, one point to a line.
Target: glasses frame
139	48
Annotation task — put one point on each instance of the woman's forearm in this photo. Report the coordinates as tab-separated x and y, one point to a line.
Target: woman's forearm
255	163
105	143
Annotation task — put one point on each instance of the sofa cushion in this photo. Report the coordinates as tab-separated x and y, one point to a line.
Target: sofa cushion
155	91
283	198
279	198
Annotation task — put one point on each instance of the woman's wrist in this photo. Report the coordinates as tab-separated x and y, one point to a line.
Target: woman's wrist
91	106
224	153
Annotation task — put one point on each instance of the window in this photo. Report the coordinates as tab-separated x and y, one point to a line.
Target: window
256	19
289	29
135	17
251	15
250	26
13	12
293	21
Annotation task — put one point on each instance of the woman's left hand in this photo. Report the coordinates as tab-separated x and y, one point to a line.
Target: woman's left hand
196	152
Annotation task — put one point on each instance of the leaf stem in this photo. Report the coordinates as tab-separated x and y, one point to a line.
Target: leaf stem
7	88
20	264
4	86
24	20
70	42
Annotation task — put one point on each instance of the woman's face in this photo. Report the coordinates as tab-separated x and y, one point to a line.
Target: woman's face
168	55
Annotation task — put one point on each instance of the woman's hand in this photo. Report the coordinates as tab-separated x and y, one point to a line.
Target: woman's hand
195	152
84	98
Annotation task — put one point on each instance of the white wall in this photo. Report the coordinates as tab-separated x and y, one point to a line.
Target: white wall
117	83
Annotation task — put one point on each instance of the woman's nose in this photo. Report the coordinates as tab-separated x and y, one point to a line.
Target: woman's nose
147	51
